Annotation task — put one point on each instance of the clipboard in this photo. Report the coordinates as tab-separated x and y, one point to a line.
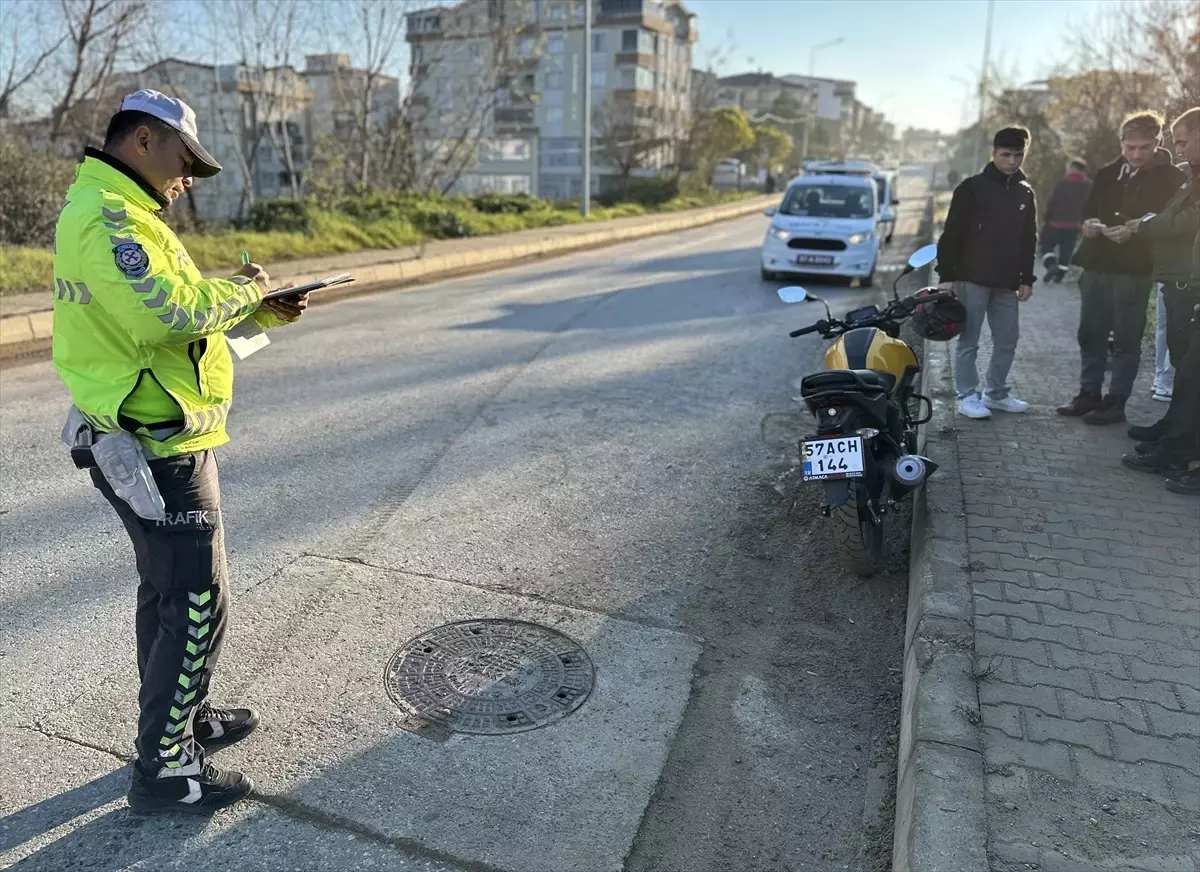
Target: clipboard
312	286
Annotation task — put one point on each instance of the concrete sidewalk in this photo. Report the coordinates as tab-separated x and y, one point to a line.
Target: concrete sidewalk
1086	589
26	324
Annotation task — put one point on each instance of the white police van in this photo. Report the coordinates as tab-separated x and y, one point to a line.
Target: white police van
826	224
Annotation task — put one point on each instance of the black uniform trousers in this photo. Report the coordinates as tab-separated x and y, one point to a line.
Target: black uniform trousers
182	603
1183	415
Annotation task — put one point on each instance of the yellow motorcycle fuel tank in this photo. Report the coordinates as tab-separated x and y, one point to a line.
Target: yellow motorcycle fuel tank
871	348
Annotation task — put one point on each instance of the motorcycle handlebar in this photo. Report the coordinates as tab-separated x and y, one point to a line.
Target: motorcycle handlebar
811	328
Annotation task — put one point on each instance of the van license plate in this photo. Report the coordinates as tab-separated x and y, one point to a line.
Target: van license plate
814	259
841	457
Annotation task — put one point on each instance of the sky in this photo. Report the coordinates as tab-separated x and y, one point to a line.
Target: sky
904	54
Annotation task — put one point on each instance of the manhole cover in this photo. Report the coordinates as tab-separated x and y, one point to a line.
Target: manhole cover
488	677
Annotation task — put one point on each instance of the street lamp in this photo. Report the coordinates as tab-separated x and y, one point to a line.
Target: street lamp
585	199
983	72
812	107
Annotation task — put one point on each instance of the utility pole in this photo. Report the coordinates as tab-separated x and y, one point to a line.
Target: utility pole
815	94
585	200
983	76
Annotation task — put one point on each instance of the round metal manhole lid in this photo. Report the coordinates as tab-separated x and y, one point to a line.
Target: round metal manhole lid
488	677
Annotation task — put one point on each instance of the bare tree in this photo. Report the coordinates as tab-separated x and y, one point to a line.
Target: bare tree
97	34
29	36
266	96
628	136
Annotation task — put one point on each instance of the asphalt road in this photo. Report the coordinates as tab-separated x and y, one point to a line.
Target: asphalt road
612	431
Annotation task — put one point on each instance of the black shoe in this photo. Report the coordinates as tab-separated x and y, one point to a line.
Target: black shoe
1145	447
1187	484
1158	462
1151	433
216	728
1110	411
203	791
1081	405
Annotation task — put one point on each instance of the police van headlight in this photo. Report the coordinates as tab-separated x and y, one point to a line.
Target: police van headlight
780	234
859	238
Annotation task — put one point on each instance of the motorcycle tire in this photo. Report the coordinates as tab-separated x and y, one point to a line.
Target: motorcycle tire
859	541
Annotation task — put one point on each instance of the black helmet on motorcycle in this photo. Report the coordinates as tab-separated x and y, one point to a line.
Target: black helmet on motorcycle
938	320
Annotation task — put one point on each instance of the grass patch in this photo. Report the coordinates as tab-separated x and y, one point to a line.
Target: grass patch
281	230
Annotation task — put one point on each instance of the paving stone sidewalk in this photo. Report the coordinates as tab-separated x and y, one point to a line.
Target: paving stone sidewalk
1086	582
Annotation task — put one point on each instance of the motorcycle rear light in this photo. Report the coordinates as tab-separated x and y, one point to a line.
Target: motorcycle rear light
868	432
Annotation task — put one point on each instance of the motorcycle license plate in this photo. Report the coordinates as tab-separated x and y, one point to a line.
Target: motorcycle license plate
814	259
841	457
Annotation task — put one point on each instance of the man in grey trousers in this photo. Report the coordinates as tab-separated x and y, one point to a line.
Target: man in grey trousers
985	255
1114	289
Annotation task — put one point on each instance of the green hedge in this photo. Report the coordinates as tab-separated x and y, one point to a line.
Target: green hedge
282	230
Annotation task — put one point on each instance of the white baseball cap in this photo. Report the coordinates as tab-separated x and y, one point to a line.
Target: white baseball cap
180	117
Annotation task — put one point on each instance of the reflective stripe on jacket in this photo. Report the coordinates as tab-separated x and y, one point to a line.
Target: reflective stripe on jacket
138	331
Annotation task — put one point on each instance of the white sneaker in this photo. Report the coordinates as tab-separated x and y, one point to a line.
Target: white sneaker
972	407
1008	404
1161	395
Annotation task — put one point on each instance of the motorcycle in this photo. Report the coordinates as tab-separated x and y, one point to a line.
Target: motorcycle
864	451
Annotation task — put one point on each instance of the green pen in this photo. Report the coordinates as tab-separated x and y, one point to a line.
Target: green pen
245	257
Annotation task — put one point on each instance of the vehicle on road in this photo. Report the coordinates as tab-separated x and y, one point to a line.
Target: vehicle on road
866	411
885	183
826	224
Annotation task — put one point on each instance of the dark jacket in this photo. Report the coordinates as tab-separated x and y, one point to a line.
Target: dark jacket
1120	195
1172	234
990	237
1064	210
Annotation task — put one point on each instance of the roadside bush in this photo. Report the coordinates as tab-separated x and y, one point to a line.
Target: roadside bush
644	192
34	186
514	204
284	214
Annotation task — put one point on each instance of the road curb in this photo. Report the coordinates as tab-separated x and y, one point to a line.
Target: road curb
30	334
941	824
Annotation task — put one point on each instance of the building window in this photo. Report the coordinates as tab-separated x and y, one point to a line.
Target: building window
560	153
557	12
600	42
626	78
525	47
599	78
554	81
629	40
554	115
580	9
554	44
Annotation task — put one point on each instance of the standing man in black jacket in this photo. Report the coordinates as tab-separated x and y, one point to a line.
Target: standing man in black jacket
1116	282
1166	447
985	255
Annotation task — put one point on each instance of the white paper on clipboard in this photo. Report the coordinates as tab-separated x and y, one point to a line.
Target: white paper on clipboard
246	337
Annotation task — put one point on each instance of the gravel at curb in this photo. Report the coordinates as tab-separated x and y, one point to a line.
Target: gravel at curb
941	824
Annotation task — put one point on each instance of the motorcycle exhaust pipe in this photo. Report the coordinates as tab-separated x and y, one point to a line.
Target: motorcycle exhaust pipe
910	470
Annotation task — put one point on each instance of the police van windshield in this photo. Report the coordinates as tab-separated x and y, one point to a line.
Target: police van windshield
829	201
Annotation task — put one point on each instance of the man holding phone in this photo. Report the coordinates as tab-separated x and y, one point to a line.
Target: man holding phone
1115	286
139	341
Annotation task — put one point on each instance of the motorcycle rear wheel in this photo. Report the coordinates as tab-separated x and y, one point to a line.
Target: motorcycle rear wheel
859	541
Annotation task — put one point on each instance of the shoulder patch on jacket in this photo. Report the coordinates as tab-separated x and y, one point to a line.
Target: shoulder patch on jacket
131	259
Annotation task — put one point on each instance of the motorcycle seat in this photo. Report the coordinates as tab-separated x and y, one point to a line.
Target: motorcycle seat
863	379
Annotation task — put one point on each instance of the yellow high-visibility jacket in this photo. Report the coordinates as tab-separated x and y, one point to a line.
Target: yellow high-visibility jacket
138	331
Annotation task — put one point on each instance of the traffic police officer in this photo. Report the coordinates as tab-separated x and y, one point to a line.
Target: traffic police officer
139	343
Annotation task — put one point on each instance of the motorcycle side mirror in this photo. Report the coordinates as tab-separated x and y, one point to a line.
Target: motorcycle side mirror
793	294
923	256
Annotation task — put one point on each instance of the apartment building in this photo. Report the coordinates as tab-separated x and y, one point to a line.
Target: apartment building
515	68
759	94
